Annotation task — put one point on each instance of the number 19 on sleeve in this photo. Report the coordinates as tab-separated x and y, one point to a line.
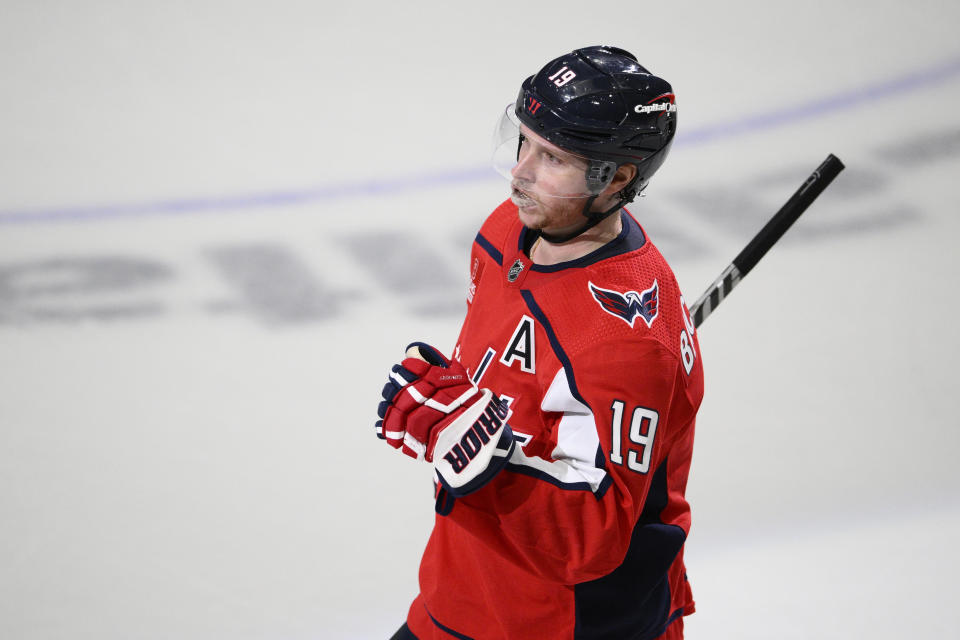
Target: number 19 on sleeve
643	428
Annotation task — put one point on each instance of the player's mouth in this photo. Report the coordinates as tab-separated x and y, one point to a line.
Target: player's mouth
521	198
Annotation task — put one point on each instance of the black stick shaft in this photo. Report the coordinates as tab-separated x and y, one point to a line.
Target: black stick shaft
788	214
761	243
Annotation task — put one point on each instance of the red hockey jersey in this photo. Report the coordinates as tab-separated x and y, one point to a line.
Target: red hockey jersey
581	534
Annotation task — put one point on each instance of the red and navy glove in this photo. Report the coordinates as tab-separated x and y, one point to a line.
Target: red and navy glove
431	410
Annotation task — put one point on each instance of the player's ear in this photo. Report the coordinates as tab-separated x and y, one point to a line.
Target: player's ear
625	173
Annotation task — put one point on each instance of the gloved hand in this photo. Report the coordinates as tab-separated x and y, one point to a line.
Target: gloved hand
431	410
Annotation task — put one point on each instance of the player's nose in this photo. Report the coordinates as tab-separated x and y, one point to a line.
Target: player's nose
523	170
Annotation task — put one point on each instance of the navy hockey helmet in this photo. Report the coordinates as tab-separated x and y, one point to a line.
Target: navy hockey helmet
600	103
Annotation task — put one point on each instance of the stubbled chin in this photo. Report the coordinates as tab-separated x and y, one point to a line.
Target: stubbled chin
529	218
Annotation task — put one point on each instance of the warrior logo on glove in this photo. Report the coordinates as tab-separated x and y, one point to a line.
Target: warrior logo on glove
473	441
432	411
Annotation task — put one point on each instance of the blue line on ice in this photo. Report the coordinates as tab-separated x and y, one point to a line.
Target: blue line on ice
922	78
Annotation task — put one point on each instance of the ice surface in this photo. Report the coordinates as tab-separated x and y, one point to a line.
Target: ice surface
221	222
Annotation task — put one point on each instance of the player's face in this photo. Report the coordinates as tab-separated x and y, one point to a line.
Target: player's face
543	168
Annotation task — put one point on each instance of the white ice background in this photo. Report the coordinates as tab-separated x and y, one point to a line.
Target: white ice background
221	222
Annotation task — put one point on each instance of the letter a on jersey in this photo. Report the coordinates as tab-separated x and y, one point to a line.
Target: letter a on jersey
521	346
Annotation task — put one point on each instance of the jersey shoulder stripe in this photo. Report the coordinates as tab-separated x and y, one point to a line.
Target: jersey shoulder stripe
491	250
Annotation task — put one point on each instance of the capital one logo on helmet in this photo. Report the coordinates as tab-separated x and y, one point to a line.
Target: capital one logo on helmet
650	108
664	102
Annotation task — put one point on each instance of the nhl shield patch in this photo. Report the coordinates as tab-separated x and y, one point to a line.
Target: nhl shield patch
630	305
515	270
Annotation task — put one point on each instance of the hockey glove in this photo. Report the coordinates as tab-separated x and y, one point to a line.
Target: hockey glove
431	410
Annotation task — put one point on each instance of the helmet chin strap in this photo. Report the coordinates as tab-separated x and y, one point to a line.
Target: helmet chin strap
593	218
627	194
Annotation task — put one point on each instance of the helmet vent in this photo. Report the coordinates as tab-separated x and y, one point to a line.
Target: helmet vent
645	142
587	136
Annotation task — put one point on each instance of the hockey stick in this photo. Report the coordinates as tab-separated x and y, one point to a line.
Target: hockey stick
765	239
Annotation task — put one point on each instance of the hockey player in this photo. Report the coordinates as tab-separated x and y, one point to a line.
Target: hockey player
562	426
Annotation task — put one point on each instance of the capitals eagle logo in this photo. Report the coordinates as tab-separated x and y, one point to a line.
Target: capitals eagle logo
630	305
